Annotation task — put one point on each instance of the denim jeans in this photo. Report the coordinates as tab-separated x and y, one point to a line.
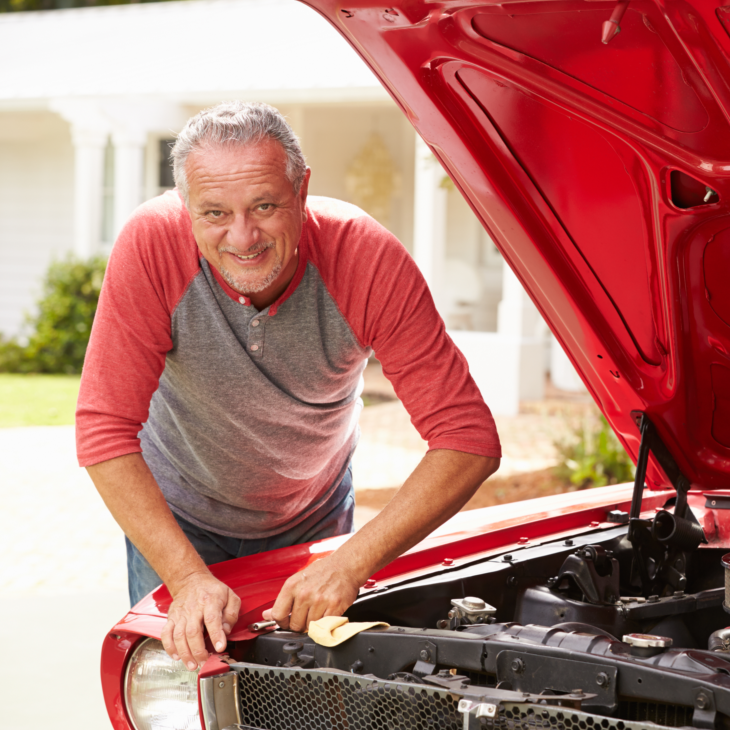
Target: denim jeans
334	517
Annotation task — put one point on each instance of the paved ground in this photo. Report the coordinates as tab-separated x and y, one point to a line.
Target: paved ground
62	564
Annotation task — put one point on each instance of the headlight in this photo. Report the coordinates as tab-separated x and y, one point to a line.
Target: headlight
160	693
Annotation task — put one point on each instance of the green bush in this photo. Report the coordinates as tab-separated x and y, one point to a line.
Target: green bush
61	327
594	457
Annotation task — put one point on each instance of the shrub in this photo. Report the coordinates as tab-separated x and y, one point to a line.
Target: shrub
594	457
61	327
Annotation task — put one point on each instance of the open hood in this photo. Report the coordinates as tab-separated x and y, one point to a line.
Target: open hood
602	172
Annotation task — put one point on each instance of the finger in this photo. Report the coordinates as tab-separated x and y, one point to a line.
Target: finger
283	605
195	638
267	615
231	611
181	643
213	619
299	612
168	642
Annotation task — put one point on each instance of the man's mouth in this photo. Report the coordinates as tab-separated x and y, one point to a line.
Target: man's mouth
249	256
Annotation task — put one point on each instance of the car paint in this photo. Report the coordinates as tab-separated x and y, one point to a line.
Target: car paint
564	147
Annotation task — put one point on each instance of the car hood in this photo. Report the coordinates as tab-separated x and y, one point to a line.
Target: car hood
601	171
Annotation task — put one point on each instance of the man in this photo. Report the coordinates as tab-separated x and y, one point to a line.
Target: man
233	328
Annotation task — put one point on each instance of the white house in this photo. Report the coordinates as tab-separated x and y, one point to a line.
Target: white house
91	98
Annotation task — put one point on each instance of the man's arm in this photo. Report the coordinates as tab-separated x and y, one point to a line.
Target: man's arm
438	488
133	497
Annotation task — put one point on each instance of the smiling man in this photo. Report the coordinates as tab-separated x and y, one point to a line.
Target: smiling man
220	394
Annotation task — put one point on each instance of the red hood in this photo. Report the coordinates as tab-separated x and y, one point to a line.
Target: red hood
588	163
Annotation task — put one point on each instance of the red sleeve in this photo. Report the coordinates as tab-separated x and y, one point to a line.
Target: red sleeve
385	299
152	263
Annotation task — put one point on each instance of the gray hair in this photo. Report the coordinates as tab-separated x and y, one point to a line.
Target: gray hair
239	123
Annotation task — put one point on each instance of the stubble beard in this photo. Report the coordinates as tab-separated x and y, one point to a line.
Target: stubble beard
254	282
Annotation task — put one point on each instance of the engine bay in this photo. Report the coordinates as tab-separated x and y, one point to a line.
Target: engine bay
586	633
626	624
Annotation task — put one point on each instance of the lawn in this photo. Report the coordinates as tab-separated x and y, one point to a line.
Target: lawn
38	400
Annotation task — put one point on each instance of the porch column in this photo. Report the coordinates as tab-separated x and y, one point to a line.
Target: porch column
89	145
519	320
429	224
128	175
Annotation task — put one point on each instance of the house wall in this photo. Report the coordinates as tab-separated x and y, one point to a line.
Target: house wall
36	207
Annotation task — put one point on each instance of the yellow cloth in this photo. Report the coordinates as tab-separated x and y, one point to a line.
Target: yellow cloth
333	630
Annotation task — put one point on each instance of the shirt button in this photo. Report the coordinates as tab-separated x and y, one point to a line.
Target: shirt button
254	347
242	300
255	323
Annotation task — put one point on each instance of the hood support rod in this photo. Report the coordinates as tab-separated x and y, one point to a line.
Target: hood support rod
667	539
652	443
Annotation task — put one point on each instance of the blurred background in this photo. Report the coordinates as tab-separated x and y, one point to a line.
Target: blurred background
91	98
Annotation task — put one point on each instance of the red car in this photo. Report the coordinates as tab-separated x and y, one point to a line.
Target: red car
599	162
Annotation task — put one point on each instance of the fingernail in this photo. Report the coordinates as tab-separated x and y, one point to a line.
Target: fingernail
227	628
176	657
192	666
220	646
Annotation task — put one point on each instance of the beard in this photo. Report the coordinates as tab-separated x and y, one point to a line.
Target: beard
255	281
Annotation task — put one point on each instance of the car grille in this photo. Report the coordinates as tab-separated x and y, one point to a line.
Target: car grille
281	698
291	699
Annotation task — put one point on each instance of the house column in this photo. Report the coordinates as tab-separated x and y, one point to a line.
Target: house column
519	321
89	145
89	133
429	224
128	175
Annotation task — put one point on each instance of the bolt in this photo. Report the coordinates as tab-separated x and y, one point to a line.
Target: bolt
702	703
568	542
517	666
424	655
595	524
369	583
475	604
653	599
508	558
523	541
578	692
447	562
679	594
370	649
221	684
602	679
356	666
451	613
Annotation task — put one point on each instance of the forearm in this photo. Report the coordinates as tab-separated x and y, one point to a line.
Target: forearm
132	495
440	486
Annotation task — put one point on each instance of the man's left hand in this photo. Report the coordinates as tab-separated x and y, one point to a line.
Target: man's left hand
324	588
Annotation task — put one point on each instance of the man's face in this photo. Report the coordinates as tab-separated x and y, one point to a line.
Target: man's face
247	218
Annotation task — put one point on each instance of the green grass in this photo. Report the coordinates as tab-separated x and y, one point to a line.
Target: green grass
38	400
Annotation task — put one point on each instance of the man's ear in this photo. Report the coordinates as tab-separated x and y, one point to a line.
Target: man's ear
303	191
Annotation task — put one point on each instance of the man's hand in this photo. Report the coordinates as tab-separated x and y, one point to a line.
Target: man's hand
324	588
131	493
201	600
439	487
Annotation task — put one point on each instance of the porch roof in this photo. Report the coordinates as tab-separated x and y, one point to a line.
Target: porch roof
190	52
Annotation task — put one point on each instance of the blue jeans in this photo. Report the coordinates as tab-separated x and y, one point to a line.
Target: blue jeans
334	517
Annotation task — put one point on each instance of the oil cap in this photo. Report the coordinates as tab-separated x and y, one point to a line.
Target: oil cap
646	645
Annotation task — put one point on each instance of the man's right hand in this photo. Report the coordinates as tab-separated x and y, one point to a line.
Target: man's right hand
132	495
199	601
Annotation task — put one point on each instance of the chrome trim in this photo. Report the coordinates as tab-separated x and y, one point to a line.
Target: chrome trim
219	700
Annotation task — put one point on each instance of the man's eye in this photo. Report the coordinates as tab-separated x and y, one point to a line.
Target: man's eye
215	213
266	206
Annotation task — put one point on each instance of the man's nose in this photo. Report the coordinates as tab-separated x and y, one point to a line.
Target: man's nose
243	232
